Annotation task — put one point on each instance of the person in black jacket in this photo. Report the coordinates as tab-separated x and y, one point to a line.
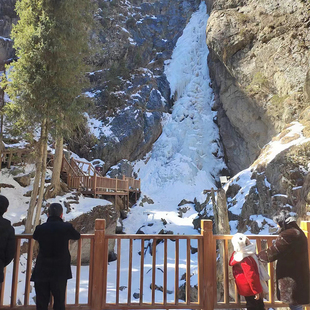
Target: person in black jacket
7	238
52	268
290	250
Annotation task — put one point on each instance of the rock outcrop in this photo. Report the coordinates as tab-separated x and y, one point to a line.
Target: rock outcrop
128	82
85	224
259	63
274	182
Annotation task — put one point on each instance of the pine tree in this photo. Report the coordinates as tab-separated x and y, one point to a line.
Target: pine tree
45	84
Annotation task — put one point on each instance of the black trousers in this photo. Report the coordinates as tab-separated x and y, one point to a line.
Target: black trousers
43	293
253	304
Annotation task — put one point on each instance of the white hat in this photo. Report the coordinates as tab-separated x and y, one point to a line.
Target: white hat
239	241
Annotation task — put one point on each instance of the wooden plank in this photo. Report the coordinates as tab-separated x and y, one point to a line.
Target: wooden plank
153	270
91	269
146	306
200	273
130	252
118	269
165	271
176	274
28	271
237	296
15	274
141	272
226	274
98	274
271	280
188	271
104	274
10	159
148	237
78	272
209	258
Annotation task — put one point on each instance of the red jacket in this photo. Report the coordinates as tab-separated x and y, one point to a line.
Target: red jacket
246	276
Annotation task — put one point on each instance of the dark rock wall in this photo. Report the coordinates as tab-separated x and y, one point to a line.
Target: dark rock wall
259	59
132	92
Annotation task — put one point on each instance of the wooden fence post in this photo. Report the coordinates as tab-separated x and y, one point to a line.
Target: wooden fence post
10	159
305	226
95	185
69	180
209	264
98	276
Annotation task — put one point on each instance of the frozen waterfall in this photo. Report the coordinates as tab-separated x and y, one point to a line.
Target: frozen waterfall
183	155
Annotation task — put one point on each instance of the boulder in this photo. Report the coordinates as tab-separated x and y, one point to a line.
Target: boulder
23	180
85	224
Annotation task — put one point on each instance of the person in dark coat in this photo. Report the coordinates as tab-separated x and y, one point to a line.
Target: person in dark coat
7	239
290	250
52	268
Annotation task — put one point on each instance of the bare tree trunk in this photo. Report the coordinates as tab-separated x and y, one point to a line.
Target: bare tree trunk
43	171
222	227
221	213
55	187
34	194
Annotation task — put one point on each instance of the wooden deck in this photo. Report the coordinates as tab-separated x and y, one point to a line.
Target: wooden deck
85	178
99	287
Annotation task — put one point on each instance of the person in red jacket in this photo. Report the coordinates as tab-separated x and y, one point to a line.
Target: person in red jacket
245	271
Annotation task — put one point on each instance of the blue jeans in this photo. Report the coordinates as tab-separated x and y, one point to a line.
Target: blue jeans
296	307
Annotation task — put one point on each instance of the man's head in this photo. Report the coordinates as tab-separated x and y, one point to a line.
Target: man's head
283	218
4	203
55	209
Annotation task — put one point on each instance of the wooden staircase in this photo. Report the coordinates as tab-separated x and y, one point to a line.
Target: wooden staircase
83	176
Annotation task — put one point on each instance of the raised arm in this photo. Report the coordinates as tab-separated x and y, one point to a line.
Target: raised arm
282	245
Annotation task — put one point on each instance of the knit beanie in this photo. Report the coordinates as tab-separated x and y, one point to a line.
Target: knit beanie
239	241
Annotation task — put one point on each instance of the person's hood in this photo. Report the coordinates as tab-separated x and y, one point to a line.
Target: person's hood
238	256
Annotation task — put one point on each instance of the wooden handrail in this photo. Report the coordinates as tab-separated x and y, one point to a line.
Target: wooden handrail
97	184
90	167
207	253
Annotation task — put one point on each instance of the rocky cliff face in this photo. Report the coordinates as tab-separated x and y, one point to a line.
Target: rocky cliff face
131	90
259	62
7	18
260	69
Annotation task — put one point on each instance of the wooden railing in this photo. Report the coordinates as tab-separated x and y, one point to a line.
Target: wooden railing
70	167
91	181
97	185
134	185
90	169
13	155
151	281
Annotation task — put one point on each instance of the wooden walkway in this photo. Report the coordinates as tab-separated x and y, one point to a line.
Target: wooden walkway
171	254
84	177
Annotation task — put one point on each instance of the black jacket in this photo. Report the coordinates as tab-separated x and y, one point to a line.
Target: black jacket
53	261
7	244
290	249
